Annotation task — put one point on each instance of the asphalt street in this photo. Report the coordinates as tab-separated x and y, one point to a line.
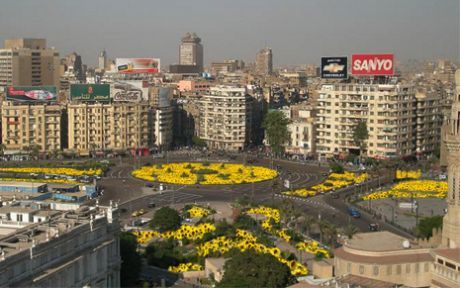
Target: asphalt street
132	194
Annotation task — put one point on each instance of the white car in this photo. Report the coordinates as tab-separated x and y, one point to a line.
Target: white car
442	177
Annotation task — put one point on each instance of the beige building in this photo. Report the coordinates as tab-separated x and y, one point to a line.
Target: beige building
225	118
264	62
94	127
389	111
429	119
191	51
384	256
73	249
301	129
28	62
24	126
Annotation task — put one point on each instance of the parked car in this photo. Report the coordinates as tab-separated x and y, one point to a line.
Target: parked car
150	185
374	227
152	205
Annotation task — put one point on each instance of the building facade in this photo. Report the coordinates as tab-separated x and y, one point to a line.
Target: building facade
389	111
429	119
302	131
264	62
28	62
26	126
96	127
191	51
225	118
74	249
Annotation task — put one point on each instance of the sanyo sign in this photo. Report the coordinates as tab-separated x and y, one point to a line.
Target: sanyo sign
372	64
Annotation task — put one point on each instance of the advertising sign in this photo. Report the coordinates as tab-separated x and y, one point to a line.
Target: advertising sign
372	64
90	92
130	91
138	65
334	67
31	93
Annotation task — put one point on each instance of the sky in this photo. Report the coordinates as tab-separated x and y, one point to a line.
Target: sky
298	31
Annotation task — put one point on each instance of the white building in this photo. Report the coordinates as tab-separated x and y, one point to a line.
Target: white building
225	118
301	129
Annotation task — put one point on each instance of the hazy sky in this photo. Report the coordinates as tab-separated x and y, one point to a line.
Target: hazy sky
298	31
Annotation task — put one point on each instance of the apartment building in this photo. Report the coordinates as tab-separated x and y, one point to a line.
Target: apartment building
27	125
301	129
264	62
429	113
225	118
28	62
388	109
96	127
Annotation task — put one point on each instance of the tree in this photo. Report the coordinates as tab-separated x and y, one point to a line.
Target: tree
276	130
426	226
360	135
2	149
336	167
260	270
165	219
349	230
197	141
131	260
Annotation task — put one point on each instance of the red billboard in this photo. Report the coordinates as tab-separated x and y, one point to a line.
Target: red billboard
372	64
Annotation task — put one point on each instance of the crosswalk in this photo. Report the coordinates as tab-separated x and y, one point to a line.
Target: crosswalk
174	197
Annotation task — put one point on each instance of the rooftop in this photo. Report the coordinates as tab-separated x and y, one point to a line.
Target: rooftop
452	254
377	241
21	184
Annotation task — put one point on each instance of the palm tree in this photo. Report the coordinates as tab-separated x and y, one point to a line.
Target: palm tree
349	230
328	232
305	223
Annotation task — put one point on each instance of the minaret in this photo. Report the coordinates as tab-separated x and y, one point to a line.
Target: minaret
451	135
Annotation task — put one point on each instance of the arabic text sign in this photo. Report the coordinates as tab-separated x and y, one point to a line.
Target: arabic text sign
90	92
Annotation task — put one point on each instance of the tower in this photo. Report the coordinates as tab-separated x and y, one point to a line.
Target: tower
451	222
191	51
102	60
264	62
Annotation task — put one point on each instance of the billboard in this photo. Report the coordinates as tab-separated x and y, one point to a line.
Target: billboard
90	92
31	93
334	67
137	65
130	91
372	64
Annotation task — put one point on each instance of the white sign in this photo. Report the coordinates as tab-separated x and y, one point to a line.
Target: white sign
287	184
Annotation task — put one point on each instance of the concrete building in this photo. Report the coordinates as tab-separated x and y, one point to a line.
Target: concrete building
27	61
388	110
59	249
228	66
191	51
163	117
301	129
264	62
193	86
429	119
225	118
118	127
102	60
24	126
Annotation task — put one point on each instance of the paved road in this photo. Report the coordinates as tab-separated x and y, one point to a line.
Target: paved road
120	186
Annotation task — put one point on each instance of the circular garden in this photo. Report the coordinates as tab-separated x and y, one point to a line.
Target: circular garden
204	173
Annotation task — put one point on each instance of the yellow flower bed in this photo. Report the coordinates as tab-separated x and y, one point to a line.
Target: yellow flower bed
416	189
60	181
184	232
181	173
244	241
197	211
334	181
145	236
401	174
269	213
184	267
58	171
312	247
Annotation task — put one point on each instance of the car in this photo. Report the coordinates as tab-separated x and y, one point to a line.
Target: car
150	185
123	210
135	214
374	227
443	177
152	205
354	213
141	212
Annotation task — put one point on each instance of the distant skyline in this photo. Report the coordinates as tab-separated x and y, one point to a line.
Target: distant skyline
298	31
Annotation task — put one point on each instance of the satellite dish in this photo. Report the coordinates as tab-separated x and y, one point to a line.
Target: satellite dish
406	244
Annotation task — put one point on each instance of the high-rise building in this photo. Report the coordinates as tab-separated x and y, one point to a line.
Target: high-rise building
102	60
264	62
388	110
25	125
225	118
26	61
191	51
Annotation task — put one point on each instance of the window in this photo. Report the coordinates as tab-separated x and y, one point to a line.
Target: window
376	270
407	268
398	269
389	270
361	269
348	267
